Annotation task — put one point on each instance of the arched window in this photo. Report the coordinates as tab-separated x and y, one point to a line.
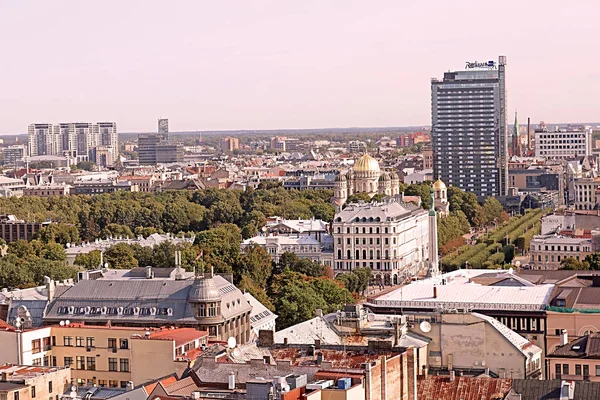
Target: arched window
377	229
395	253
349	255
339	230
387	254
339	253
371	254
358	254
364	254
378	254
371	229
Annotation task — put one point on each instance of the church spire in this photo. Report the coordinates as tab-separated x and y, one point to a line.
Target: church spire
516	140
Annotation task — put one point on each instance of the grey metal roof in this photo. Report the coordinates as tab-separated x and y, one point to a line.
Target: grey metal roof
147	301
35	307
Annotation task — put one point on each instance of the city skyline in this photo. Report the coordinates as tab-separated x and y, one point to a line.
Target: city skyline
271	65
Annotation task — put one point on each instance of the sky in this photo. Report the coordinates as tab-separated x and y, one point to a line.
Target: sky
252	64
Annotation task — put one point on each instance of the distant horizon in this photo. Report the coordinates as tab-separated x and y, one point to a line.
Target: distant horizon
291	130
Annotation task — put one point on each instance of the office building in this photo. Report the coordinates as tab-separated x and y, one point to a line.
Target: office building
468	117
163	128
229	144
13	229
77	140
14	154
155	149
565	144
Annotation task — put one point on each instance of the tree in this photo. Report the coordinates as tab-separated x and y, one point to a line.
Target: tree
258	293
54	252
593	260
287	261
309	268
323	211
116	231
89	260
422	190
120	256
59	233
256	264
574	264
86	165
492	209
356	197
294	299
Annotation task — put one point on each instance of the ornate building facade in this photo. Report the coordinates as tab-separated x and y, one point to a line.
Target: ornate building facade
365	177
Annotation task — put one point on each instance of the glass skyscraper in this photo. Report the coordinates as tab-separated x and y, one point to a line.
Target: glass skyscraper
468	118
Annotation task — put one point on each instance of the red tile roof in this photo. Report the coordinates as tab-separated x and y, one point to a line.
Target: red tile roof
165	382
463	387
181	336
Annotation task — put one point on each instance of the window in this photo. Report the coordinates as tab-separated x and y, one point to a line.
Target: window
557	370
68	361
112	343
112	364
577	369
586	370
113	384
33	391
91	363
124	364
80	362
79	341
50	387
557	332
123	343
37	362
68	340
101	382
36	346
123	384
597	370
566	369
90	342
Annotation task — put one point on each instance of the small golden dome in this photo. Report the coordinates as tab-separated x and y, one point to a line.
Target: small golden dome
366	163
438	185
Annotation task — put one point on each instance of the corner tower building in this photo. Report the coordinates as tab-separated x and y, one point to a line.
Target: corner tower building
468	118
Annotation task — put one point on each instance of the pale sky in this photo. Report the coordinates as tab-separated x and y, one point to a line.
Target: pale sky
216	65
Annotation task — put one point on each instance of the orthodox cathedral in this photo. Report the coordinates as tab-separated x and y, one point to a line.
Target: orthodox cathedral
366	177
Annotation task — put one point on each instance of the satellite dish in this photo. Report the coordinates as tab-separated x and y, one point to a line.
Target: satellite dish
425	326
62	323
236	352
67	322
231	342
483	363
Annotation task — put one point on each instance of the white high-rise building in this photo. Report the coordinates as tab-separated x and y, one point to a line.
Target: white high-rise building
78	140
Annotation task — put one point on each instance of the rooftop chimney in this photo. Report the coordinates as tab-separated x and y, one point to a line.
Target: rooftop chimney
435	292
231	381
49	287
564	337
452	375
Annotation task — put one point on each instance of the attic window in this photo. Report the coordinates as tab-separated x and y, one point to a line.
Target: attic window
576	347
560	303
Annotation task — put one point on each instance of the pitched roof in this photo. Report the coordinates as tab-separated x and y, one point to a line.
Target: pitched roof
523	345
584	347
462	387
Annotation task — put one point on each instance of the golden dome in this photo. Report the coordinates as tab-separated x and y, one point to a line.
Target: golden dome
366	163
438	185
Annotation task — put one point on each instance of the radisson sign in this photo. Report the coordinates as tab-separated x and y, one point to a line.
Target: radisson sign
476	64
